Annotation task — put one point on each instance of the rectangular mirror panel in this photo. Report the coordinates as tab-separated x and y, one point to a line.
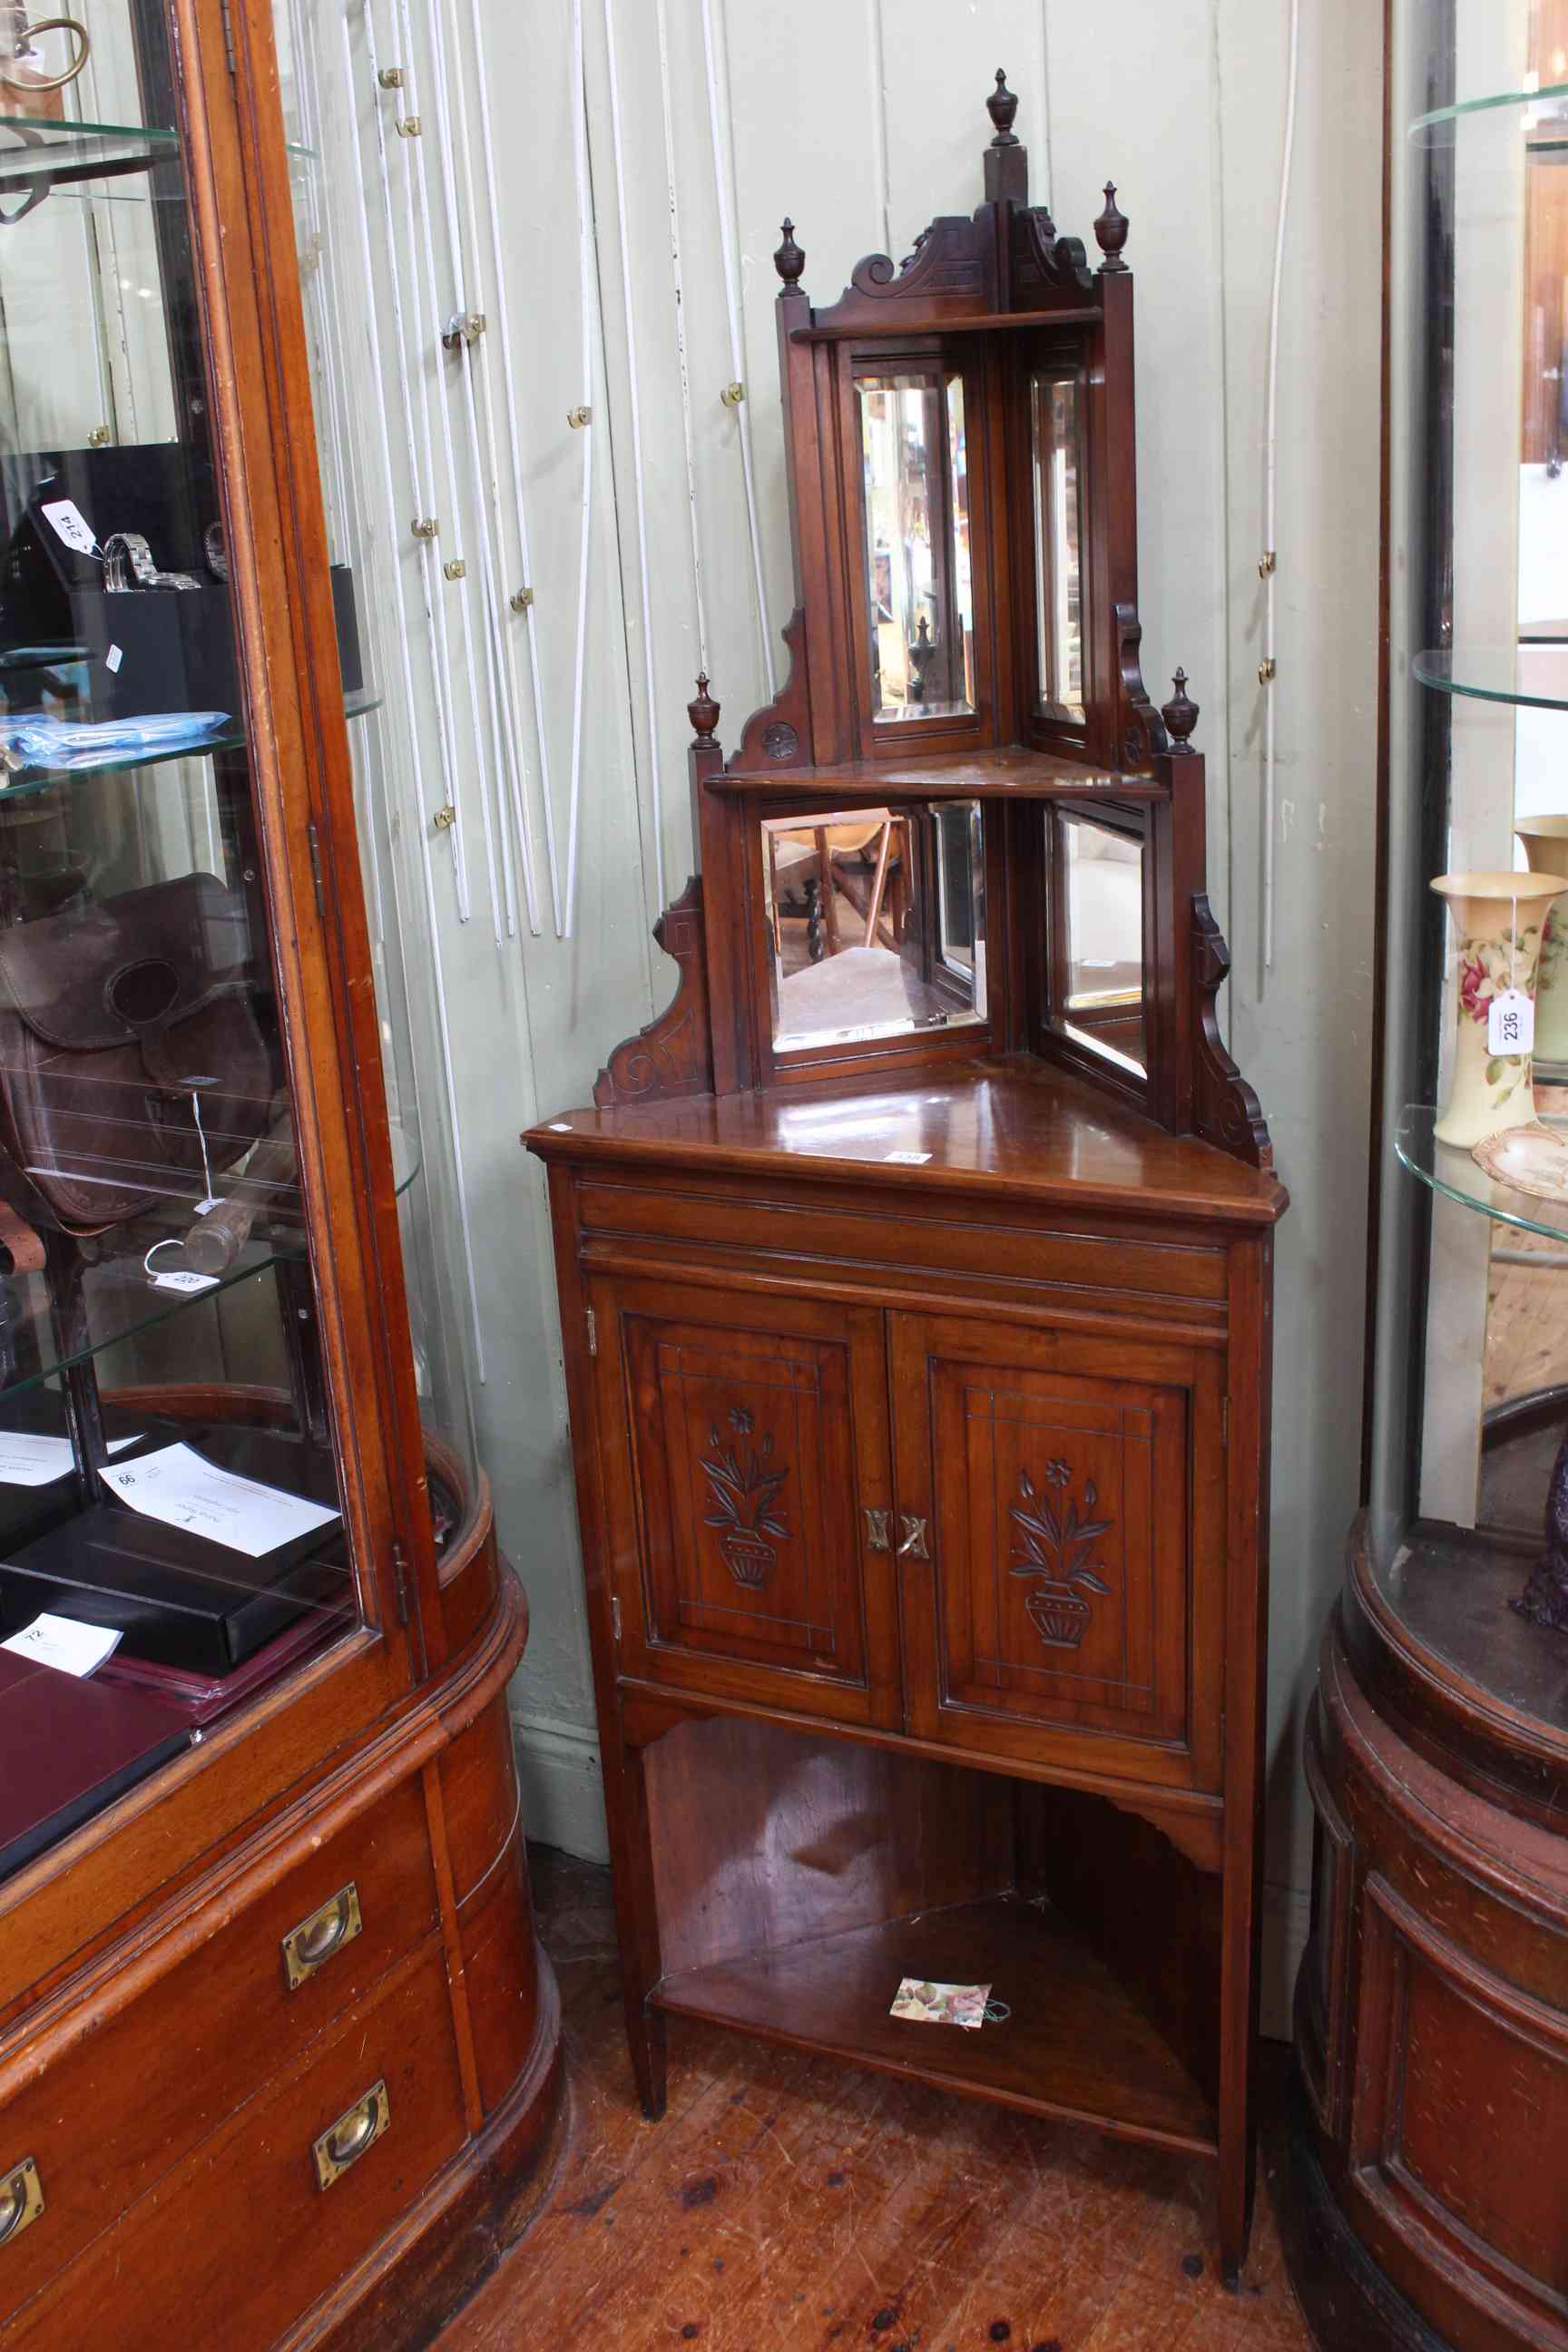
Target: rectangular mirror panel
876	922
919	594
1056	435
1101	966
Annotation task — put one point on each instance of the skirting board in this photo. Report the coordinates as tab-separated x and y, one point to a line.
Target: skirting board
563	1805
563	1788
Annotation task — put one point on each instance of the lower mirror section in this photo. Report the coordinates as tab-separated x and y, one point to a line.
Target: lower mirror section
876	922
1097	957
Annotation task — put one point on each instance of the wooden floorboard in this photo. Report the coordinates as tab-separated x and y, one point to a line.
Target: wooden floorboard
788	2201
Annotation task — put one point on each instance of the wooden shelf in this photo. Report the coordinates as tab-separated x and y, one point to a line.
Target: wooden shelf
1075	2045
860	329
1008	771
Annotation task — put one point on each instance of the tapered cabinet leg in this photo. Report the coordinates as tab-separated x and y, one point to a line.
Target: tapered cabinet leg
637	1920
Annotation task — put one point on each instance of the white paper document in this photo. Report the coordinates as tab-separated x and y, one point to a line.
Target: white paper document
29	1461
61	1643
177	1486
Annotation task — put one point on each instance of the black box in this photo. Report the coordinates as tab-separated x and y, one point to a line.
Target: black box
176	1597
147	650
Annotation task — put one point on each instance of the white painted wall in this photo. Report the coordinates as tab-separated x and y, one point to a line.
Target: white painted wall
862	119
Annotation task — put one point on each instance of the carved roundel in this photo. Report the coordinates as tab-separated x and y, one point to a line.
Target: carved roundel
780	740
1135	747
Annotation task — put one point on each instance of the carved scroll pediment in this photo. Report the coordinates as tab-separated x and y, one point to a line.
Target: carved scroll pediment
671	1056
778	734
1225	1109
1045	265
948	257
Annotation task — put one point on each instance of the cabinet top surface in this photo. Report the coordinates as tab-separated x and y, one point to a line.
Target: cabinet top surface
1008	1125
1012	770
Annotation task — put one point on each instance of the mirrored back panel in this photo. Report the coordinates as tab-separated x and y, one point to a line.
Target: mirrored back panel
876	922
918	594
1098	957
1057	412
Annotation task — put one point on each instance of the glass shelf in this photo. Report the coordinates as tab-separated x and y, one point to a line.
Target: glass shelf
1552	100
1448	1169
119	1295
23	780
38	154
1533	674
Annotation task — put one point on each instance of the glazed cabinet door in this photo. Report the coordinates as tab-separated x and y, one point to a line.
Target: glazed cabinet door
1060	1539
747	1495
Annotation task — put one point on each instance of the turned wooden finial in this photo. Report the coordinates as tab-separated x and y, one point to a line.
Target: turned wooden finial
703	712
1110	230
789	261
1180	714
1002	106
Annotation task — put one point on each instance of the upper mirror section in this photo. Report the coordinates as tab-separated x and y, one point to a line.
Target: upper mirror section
1098	968
1056	448
918	589
876	922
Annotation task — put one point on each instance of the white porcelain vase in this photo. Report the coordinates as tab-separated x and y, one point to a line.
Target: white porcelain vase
1498	921
1545	842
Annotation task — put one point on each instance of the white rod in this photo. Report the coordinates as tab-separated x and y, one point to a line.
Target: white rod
880	121
459	307
514	451
435	611
311	268
1271	474
635	412
698	598
493	558
737	356
430	349
585	275
421	820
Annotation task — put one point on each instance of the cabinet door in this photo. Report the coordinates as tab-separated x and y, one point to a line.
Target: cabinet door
1060	1517
744	1444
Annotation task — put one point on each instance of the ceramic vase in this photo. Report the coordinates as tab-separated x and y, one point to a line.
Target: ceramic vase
1546	841
1497	917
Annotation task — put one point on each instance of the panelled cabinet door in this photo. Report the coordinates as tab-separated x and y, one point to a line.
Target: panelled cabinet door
747	1493
1060	1519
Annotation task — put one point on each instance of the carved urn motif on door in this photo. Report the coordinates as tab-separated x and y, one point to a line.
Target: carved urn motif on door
1056	1548
744	1496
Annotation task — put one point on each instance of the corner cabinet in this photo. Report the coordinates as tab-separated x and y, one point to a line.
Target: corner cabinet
915	1270
267	1973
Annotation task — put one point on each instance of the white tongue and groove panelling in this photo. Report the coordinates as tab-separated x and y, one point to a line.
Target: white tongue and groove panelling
702	123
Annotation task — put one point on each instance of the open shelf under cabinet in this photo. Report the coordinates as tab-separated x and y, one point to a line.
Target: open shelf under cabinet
1075	2045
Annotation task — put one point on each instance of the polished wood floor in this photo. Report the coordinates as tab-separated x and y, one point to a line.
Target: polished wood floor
788	2202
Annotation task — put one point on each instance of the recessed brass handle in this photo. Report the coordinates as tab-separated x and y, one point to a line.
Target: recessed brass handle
311	1945
21	2200
358	2128
877	1535
912	1538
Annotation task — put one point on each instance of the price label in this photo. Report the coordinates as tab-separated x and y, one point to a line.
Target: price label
187	1282
61	1643
69	524
1510	1023
113	657
907	1159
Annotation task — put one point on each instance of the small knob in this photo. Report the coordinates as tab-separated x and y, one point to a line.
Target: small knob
703	711
1002	106
1180	714
789	261
1111	232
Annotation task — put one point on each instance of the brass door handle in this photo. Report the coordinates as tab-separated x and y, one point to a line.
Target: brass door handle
357	2128
311	1945
21	2200
912	1538
877	1535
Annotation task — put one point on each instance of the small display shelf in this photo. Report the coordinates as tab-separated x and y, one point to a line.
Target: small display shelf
1533	673
1074	2044
1448	1169
1438	120
38	156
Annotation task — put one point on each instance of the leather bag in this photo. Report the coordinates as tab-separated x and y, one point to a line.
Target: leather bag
115	1020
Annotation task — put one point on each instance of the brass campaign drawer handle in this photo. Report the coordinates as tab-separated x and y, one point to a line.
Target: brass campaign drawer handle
311	1945
913	1537
21	2200
358	2128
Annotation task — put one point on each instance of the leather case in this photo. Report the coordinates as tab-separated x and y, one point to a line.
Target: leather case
69	1747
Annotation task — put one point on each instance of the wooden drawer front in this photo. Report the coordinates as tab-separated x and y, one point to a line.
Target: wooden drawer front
1130	1278
1054	1499
229	2250
128	2103
1459	2126
746	1442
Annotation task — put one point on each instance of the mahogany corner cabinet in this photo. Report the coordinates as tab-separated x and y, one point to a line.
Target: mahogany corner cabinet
915	1269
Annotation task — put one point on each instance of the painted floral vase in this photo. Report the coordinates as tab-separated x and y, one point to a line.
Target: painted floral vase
1499	918
1545	840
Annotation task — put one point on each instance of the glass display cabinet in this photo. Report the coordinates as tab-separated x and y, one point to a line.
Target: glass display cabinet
266	1970
915	1268
1431	2128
